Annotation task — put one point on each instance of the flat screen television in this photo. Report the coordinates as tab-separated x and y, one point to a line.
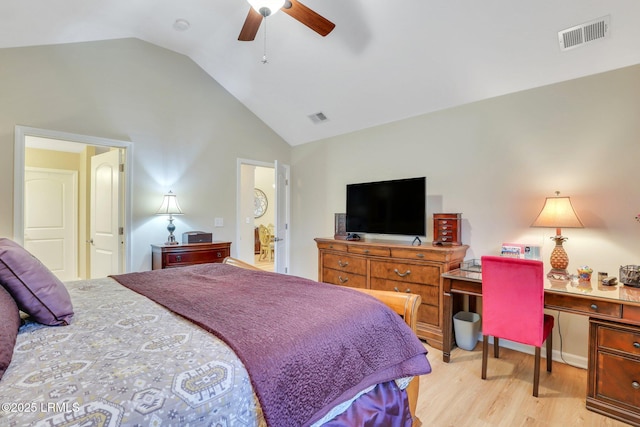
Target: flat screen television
387	207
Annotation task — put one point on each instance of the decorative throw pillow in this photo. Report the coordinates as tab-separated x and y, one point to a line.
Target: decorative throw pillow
36	290
9	324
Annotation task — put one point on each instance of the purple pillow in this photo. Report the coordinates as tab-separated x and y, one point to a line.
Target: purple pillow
9	324
36	290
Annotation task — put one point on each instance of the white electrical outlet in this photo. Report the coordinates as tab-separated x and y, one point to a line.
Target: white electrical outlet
218	222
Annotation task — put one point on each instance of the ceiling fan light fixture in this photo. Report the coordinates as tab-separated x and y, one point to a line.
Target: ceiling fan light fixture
266	7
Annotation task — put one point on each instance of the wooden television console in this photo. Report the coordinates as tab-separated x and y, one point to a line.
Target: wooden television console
393	266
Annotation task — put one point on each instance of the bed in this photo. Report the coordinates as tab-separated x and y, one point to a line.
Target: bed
141	349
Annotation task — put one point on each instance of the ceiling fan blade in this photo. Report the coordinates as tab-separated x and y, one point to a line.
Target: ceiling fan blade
308	17
250	27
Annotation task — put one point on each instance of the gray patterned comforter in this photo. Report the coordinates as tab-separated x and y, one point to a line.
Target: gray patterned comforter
124	360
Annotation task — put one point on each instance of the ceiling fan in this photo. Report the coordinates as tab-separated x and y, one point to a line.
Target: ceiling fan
260	9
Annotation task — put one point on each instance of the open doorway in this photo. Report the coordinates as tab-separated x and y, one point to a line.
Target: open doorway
72	202
263	215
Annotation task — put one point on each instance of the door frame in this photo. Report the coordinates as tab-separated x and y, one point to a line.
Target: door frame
21	132
284	260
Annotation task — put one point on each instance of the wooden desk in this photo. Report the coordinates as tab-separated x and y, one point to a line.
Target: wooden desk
613	387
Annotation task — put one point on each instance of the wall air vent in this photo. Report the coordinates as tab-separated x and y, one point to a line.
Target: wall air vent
318	118
584	33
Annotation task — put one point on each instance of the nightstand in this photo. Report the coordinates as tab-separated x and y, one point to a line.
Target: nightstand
169	256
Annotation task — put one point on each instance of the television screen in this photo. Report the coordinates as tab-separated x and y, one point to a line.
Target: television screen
387	207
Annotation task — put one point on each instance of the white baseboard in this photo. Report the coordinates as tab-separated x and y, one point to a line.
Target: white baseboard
567	358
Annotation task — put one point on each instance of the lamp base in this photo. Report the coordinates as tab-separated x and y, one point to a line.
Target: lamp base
558	274
171	240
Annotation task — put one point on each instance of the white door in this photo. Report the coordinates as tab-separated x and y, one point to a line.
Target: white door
104	214
51	219
282	219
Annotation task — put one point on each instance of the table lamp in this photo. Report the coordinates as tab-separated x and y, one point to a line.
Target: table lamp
558	213
170	207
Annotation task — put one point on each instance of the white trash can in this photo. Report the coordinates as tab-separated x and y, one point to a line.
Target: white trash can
466	326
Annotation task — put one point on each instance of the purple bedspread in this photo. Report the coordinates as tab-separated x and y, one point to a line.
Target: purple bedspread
306	345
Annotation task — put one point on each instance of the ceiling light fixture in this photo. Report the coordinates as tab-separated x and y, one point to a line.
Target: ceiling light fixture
266	7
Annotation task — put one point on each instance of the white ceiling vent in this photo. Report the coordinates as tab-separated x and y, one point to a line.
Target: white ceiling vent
584	33
318	118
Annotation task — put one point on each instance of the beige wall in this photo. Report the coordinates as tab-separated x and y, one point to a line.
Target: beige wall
495	161
186	130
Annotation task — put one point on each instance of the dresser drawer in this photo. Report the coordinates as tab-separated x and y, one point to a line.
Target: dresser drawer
333	246
428	293
345	263
370	250
407	254
168	256
195	257
344	278
619	340
405	272
618	380
603	309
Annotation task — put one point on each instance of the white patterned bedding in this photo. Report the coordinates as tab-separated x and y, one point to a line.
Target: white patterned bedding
124	360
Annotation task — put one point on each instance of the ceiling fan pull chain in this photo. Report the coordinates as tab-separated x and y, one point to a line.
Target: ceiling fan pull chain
264	57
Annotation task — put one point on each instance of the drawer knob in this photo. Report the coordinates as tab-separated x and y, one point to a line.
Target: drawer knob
636	345
342	264
343	280
406	273
635	385
366	251
594	307
408	290
178	258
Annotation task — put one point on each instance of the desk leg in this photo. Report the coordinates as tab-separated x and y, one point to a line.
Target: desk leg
447	327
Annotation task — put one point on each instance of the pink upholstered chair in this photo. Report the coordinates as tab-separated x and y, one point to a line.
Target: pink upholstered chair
512	307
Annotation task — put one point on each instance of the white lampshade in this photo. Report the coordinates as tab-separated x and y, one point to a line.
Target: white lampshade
557	212
272	5
169	205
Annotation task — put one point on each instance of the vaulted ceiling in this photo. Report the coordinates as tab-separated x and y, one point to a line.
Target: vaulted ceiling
383	62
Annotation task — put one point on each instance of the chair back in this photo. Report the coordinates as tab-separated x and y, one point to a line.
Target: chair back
264	235
513	299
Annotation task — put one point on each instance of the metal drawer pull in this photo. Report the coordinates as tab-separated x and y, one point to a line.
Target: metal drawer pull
635	385
408	290
420	255
402	274
594	307
345	280
178	258
366	251
342	264
636	345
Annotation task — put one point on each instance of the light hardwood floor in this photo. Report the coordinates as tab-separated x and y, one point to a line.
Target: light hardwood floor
453	394
263	264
